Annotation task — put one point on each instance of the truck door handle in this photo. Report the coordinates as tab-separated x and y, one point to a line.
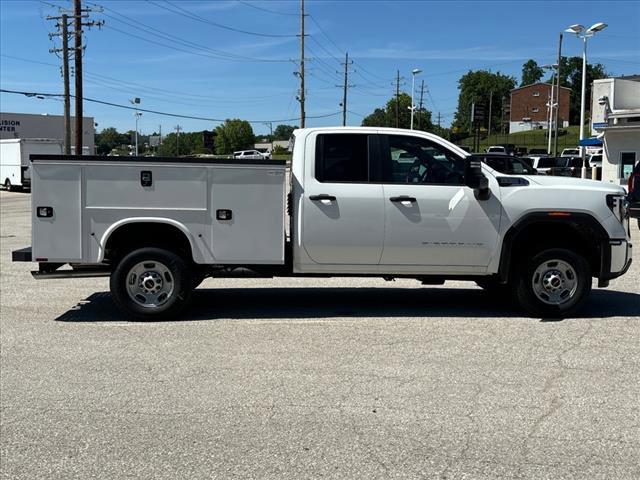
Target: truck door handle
322	196
403	198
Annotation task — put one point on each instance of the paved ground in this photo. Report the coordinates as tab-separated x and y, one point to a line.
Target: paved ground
307	379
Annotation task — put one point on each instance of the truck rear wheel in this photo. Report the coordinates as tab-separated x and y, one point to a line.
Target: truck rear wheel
151	284
554	283
7	185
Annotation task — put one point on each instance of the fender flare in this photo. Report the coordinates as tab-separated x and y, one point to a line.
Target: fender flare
167	221
575	218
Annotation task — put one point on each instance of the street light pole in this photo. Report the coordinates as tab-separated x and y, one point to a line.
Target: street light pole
590	32
136	101
414	72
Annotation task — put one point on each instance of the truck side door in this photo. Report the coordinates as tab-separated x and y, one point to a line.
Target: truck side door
342	212
432	219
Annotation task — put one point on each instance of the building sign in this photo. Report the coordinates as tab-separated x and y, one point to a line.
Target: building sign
600	124
7	125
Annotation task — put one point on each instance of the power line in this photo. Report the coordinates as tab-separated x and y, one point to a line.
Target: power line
341	50
41	95
194	16
135	85
266	9
153	31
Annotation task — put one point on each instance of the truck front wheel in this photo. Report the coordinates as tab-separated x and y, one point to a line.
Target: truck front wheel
151	284
554	283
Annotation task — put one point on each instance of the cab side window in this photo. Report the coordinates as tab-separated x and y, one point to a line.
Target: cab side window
407	159
342	157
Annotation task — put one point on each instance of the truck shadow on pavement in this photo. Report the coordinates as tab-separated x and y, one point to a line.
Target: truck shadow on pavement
313	303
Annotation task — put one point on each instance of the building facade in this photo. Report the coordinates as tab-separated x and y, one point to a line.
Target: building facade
615	119
529	107
27	125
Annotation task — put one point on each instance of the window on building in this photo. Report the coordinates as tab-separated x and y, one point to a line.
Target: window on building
535	110
627	162
536	94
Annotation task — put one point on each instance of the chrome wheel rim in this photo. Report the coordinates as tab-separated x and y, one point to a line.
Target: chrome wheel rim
554	282
150	284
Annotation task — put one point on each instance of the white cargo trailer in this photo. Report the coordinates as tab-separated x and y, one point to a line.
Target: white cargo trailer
15	169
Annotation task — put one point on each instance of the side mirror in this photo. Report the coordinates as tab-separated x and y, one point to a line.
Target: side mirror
474	178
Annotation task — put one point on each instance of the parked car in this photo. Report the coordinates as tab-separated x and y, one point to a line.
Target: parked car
570	152
496	149
568	167
266	153
538	151
543	165
249	155
507	164
509	148
595	160
634	193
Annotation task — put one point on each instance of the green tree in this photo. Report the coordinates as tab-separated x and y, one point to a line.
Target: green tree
480	87
531	73
189	143
108	140
386	117
284	132
233	135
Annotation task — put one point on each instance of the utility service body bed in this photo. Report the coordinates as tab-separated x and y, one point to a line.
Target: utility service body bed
231	211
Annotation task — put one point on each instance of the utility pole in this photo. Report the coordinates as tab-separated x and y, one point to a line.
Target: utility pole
302	94
77	14
398	99
345	87
420	108
63	27
178	128
490	106
438	121
555	116
270	124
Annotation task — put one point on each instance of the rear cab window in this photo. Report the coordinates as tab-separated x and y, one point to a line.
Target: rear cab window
343	157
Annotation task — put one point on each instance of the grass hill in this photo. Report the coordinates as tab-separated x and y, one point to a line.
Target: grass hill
530	139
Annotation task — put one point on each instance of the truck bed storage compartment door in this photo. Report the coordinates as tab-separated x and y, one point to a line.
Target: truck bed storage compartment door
56	232
432	218
343	214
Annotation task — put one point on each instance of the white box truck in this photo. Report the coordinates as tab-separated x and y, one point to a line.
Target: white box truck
15	169
358	202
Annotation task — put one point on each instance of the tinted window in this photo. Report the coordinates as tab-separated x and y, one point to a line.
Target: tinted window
546	163
495	163
407	159
342	157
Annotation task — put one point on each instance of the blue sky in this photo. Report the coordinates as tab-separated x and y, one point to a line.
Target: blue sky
176	60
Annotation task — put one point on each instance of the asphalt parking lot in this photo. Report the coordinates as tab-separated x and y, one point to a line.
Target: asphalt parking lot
341	378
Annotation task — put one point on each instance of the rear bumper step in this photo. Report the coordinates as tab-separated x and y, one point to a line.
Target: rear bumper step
84	273
22	255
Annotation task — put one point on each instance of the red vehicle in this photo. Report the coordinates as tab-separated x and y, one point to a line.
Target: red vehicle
634	193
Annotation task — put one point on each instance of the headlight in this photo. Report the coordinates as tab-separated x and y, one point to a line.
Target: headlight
618	205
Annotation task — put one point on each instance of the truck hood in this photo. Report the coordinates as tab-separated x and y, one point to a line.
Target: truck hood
574	183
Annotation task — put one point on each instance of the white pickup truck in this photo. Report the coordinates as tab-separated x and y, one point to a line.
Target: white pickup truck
357	202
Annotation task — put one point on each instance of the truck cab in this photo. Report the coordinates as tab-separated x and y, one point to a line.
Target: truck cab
361	201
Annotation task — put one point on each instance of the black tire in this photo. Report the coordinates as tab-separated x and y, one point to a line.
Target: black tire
542	269
161	266
7	185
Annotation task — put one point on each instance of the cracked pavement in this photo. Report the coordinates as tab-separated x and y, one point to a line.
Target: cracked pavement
310	378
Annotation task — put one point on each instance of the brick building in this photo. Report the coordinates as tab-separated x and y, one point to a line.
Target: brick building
529	110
